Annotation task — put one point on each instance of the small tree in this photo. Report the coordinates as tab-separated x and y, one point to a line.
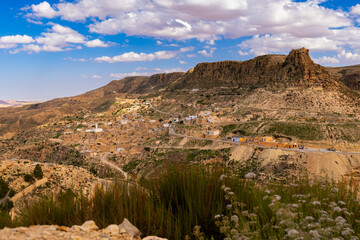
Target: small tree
5	191
38	173
4	188
29	178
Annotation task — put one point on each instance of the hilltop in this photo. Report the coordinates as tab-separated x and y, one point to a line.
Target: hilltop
272	82
294	70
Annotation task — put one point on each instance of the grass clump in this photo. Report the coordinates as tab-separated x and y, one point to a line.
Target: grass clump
29	178
189	201
299	130
302	210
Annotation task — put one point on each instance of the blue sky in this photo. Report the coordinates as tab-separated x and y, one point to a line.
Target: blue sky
60	48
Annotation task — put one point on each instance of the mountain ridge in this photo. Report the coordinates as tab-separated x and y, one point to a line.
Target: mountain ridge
299	83
294	70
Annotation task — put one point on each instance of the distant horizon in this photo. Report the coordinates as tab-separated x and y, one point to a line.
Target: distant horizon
56	48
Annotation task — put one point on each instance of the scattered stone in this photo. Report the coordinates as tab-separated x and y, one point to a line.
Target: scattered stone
112	230
89	226
129	228
87	231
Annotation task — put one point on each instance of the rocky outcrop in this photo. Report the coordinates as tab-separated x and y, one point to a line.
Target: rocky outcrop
300	70
295	70
87	231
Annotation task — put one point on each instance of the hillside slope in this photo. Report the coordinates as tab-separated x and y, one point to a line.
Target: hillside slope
98	100
278	83
280	71
349	75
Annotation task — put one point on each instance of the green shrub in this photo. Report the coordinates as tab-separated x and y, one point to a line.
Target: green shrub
29	178
38	173
4	190
298	130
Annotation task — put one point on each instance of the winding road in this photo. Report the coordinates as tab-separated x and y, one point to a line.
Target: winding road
321	150
112	165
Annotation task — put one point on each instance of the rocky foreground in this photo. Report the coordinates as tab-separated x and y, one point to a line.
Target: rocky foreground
87	231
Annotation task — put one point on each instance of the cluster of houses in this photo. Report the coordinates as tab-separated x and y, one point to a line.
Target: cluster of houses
265	141
122	135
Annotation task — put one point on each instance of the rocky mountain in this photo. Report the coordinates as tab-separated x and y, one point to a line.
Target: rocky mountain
277	83
349	75
280	71
271	82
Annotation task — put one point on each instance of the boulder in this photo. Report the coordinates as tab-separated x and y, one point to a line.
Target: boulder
154	238
89	226
129	228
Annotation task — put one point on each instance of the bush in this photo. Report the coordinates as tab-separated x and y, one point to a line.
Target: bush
29	178
38	173
4	189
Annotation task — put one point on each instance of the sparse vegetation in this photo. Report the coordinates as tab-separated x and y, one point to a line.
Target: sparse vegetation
29	178
298	130
175	200
6	206
38	173
246	129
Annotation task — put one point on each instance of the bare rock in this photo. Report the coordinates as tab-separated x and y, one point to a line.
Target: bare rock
112	230
89	226
62	228
154	238
129	228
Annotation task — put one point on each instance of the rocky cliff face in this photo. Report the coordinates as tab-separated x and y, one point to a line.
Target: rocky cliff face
300	70
295	70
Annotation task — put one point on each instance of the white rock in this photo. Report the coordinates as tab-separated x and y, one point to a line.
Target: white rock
130	229
112	230
154	238
89	226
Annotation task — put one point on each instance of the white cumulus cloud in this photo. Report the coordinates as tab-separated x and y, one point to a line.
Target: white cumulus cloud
43	10
134	57
343	57
16	39
96	43
56	39
355	9
281	43
148	73
13	41
96	77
